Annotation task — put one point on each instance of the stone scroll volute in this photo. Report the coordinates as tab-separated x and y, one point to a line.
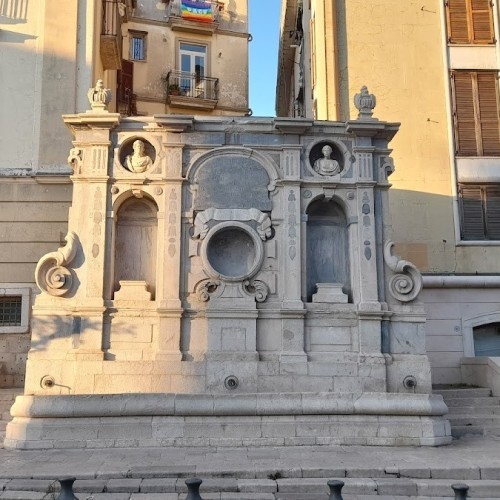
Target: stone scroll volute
52	275
406	283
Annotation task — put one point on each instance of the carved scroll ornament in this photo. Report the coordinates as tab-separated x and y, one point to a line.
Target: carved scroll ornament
257	289
205	288
51	274
202	219
406	283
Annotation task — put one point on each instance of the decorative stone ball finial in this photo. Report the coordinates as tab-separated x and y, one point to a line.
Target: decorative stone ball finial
99	97
365	103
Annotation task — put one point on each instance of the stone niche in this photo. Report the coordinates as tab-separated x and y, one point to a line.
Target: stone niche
252	286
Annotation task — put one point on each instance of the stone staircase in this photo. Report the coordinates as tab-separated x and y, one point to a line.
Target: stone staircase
472	411
7	397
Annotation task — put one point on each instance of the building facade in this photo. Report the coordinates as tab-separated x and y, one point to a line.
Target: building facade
434	67
161	57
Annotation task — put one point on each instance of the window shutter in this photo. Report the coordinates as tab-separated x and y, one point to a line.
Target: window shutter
482	21
493	213
472	213
458	30
488	113
465	123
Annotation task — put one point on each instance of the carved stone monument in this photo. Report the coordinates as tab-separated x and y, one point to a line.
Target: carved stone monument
228	289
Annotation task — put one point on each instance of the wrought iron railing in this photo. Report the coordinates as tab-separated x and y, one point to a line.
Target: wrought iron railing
180	83
194	10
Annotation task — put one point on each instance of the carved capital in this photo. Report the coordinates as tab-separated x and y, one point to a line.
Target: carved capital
51	274
406	283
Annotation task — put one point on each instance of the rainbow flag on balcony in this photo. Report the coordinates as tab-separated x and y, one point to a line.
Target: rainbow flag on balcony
197	10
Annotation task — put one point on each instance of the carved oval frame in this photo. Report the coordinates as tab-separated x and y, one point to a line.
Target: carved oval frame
258	245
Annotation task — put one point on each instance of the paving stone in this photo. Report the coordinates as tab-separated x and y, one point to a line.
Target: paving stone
107	496
42	485
323	472
22	495
154	496
396	486
158	485
162	471
455	472
210	485
247	496
306	485
257	486
123	485
89	486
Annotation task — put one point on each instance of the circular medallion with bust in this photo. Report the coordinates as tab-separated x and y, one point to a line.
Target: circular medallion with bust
139	161
326	165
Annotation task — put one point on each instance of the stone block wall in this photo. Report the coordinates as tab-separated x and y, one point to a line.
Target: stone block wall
33	219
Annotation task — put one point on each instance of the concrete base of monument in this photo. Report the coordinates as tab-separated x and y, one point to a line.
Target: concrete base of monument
154	420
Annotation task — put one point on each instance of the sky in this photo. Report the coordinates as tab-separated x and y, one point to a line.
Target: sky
264	27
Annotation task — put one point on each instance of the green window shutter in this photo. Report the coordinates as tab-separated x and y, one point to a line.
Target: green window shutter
492	212
472	215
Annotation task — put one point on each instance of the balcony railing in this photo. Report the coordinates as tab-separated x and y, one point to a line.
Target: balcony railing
191	85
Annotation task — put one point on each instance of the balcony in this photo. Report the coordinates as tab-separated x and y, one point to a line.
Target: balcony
114	13
189	90
194	16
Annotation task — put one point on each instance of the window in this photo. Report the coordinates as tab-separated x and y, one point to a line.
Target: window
470	21
137	45
14	309
10	310
480	211
193	66
476	113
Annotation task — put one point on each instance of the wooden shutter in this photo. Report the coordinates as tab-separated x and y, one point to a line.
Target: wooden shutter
492	212
472	219
465	120
481	19
487	91
470	21
458	27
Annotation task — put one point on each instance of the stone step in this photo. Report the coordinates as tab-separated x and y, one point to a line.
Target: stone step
455	411
473	402
458	431
477	392
474	420
231	488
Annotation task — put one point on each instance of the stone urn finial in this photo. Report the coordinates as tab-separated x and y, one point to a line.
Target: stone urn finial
99	97
365	103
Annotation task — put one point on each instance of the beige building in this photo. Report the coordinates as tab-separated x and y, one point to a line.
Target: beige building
433	66
157	57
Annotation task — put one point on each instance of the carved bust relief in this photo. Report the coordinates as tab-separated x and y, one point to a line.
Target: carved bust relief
138	161
326	165
326	159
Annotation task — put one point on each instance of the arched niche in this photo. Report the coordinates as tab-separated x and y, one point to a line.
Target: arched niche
136	229
327	251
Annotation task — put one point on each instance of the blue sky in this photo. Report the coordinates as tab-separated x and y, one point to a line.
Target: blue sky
264	27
